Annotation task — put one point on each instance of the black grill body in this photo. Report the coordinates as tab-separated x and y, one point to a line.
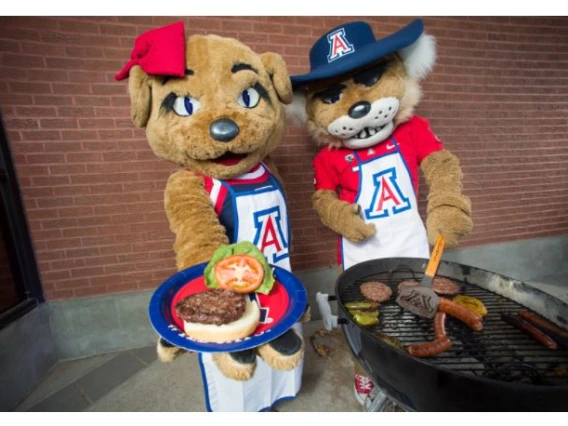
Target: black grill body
480	373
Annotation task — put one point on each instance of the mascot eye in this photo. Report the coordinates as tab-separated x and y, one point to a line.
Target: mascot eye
331	99
249	98
186	105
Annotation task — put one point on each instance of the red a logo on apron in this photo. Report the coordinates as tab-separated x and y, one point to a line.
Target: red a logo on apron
269	237
388	198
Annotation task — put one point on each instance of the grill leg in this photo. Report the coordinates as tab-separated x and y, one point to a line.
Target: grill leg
376	401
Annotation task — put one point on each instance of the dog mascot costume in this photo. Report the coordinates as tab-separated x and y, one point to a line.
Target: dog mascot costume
214	107
358	101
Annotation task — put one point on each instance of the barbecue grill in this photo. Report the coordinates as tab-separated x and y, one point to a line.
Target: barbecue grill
498	369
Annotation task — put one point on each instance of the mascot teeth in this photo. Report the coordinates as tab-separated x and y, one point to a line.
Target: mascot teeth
367	132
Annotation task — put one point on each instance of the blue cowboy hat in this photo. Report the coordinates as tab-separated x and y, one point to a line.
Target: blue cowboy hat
353	45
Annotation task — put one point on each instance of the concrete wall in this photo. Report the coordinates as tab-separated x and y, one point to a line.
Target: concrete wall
27	353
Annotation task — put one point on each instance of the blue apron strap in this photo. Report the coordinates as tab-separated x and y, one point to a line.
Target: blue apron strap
405	165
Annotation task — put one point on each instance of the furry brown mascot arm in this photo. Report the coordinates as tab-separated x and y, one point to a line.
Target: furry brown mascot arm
192	219
449	211
341	217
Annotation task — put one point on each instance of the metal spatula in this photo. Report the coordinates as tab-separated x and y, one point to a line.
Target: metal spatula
422	300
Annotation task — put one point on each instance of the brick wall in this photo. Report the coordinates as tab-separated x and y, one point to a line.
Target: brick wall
93	190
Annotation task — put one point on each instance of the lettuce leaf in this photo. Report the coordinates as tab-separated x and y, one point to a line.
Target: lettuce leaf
244	247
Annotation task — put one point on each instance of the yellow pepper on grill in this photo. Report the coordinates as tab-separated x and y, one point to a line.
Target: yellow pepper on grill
366	319
361	305
366	314
471	303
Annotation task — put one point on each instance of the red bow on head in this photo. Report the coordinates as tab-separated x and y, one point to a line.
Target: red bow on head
160	51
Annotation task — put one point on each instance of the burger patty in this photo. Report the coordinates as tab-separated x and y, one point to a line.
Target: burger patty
212	307
445	286
376	291
440	285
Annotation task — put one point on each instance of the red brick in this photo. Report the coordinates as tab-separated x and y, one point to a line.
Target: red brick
26	123
90	291
108	89
87	77
52	100
78	26
33	88
74	111
18	33
92	100
58	123
83	52
71	89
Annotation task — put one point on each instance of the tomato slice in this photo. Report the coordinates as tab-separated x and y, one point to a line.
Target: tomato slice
241	273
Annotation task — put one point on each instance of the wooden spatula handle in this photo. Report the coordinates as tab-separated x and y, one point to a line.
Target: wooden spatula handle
436	256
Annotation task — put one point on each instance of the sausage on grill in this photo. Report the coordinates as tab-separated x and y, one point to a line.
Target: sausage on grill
423	350
440	325
472	319
531	330
535	319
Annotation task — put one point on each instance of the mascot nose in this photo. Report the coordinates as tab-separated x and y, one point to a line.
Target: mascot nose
223	130
360	109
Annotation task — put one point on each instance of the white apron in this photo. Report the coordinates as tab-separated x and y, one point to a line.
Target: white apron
260	215
387	199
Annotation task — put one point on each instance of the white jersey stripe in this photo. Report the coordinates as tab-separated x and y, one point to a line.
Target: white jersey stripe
253	175
214	194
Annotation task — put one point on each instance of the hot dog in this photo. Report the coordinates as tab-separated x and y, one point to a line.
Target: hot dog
440	325
535	319
471	319
423	350
529	329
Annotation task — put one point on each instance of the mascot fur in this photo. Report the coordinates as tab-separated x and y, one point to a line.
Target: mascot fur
358	101
214	107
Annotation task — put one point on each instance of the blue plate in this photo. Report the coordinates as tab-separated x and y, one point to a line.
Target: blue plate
161	318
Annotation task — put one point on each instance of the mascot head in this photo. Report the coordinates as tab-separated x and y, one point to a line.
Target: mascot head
208	103
359	88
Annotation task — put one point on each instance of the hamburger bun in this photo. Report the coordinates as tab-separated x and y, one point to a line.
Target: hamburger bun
243	327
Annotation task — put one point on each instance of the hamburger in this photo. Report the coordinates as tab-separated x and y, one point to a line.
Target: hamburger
218	316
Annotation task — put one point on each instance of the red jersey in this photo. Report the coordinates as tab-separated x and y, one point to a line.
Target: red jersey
337	169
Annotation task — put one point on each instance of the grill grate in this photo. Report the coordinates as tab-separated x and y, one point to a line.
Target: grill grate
499	352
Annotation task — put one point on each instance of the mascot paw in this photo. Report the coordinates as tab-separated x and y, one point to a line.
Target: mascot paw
452	222
307	317
356	230
236	365
283	353
166	351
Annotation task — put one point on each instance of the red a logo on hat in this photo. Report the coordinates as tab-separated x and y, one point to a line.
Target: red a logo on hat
338	45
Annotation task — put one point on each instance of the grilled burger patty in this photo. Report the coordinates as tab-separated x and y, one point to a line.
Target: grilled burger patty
212	307
376	291
440	285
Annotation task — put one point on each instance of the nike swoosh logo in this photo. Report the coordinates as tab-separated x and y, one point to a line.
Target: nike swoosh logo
390	146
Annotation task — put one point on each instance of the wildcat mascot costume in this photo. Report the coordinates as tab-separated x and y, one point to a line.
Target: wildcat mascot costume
358	101
214	107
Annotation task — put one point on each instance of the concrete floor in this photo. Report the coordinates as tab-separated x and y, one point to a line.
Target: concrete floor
135	381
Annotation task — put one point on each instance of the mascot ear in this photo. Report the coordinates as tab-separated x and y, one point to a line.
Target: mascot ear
276	68
140	96
420	56
296	110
